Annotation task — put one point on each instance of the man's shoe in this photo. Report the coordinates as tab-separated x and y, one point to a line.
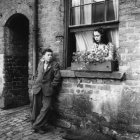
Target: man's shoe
46	128
40	131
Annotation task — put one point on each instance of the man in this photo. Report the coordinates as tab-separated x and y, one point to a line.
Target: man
46	83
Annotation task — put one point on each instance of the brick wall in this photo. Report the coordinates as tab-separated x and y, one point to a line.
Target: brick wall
51	27
50	30
14	77
118	101
130	56
50	33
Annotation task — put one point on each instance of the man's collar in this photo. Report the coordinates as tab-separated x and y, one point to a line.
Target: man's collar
46	62
43	60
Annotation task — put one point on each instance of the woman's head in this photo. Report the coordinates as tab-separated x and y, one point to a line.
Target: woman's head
98	36
47	55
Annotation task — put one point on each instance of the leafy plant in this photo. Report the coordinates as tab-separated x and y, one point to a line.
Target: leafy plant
94	56
88	57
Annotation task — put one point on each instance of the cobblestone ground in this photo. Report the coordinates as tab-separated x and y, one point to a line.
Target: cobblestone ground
15	125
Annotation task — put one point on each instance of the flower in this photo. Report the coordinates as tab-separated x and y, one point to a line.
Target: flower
89	56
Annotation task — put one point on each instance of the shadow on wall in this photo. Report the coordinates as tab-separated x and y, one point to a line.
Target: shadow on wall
128	113
91	123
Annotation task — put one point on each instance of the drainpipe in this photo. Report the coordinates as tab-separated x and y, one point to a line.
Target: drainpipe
35	36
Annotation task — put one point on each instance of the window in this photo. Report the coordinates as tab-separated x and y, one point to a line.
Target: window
93	11
82	17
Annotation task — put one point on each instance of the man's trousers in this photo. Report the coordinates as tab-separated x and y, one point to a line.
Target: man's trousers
40	110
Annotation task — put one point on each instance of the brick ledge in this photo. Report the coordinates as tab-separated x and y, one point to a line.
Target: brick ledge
94	75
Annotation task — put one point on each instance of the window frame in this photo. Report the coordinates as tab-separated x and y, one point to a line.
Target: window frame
94	23
82	27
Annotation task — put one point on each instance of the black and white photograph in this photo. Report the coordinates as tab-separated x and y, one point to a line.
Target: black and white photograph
69	69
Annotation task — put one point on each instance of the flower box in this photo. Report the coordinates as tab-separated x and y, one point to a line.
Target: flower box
107	66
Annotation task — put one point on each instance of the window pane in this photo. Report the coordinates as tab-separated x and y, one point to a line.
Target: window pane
98	12
87	14
111	10
88	1
75	16
75	2
82	18
92	11
98	0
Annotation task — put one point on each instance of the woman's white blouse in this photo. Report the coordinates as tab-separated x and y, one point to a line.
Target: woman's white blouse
104	50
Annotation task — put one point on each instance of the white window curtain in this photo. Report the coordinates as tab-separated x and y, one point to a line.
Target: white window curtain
76	13
87	11
113	36
115	6
114	33
84	41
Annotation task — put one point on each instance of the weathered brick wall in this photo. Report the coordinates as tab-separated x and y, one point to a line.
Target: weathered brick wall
118	101
130	56
9	64
50	33
51	26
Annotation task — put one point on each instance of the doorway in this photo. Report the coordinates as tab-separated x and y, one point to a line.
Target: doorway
16	42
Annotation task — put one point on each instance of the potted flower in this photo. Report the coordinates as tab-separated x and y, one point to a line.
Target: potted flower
92	61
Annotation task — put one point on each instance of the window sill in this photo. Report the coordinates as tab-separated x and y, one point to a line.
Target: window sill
85	27
117	75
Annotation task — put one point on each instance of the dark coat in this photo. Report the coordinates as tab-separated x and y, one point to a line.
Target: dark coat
47	80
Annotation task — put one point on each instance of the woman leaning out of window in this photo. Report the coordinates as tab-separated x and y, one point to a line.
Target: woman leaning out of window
102	48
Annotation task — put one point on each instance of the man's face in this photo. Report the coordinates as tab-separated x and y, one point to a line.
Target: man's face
48	56
97	36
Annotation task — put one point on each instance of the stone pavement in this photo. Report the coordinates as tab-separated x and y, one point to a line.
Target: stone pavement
15	125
